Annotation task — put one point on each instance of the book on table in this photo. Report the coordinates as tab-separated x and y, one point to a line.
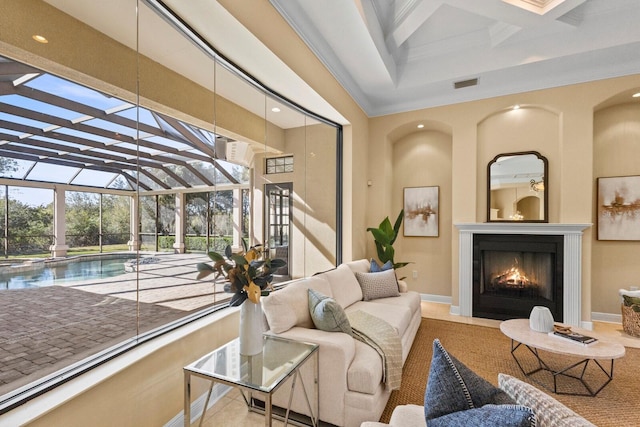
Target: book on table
572	336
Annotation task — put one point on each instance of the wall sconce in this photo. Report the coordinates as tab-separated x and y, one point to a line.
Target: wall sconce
537	185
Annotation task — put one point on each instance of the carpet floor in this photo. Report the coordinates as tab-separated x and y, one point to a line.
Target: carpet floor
487	352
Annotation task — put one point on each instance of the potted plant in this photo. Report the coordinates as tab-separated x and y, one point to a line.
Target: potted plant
385	236
248	274
249	277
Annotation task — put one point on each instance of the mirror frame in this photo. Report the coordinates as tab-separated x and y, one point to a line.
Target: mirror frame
545	180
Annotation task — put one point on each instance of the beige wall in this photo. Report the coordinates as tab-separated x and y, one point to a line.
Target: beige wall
263	21
314	203
558	123
529	128
423	159
616	152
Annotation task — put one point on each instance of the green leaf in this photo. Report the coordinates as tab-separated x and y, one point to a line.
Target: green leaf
398	265
380	236
239	259
204	270
396	226
215	256
228	252
385	227
256	264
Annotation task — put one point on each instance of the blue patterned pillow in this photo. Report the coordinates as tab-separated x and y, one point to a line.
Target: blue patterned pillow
452	387
488	416
327	315
376	268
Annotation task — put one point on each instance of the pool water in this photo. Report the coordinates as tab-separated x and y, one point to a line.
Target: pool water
61	273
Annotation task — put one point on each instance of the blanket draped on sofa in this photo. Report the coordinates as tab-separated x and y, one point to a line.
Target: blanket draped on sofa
383	338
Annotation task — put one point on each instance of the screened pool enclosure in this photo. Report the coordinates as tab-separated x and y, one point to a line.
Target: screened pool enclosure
129	135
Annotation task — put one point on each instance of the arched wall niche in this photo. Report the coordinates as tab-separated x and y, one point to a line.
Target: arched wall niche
616	148
622	97
410	127
423	158
509	130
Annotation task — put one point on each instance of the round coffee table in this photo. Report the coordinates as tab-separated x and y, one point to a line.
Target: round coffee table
525	338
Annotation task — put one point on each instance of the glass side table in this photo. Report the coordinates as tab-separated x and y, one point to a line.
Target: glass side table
263	374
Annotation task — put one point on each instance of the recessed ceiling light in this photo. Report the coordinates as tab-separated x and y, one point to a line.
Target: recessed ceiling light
516	107
420	126
275	109
40	39
636	95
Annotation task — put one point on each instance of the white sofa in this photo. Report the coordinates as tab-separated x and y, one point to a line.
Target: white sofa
351	384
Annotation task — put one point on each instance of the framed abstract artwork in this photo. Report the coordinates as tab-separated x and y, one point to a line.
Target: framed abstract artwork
421	209
619	208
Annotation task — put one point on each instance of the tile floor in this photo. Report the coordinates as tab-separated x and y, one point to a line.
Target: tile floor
231	410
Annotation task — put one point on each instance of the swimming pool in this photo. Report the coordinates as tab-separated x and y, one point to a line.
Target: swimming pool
56	273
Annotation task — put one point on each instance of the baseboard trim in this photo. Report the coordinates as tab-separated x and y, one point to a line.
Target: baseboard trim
440	299
606	317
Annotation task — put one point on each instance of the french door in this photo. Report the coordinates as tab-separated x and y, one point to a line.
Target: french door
279	205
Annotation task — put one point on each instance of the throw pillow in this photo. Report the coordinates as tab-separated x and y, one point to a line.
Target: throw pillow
453	387
378	285
376	268
549	412
327	315
488	416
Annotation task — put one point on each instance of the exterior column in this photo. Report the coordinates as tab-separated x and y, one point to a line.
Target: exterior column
178	245
134	224
59	248
237	218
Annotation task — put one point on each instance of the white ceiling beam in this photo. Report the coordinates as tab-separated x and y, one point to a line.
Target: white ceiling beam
411	17
552	9
501	31
504	12
372	22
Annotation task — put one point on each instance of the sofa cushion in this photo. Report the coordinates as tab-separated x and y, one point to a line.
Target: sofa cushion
452	387
378	285
345	288
361	265
365	372
398	316
549	412
326	313
289	306
488	416
410	299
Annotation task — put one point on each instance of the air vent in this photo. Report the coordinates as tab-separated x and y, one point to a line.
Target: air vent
465	83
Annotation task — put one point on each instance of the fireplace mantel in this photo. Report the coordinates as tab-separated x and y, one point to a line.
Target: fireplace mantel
572	275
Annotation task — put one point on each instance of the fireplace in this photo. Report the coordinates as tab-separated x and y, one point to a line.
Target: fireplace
571	263
512	273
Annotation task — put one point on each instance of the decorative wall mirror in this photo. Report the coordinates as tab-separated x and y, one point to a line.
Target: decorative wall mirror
517	188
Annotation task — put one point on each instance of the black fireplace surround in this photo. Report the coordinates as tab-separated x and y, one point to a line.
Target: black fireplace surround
512	273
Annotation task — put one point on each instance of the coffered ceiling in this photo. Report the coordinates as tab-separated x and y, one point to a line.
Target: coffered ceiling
400	55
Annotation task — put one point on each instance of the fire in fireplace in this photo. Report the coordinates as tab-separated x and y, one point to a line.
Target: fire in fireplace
514	273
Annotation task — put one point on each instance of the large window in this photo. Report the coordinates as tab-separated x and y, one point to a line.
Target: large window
128	149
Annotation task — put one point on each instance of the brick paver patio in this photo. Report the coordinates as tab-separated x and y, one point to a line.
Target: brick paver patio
45	329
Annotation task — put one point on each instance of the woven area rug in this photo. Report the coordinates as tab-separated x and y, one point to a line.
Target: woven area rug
487	351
